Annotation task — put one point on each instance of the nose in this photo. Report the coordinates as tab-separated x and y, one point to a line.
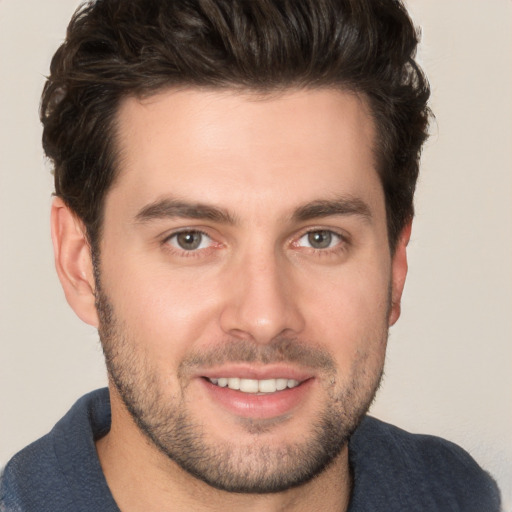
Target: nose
262	303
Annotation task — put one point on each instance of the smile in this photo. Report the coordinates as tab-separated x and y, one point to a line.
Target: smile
254	385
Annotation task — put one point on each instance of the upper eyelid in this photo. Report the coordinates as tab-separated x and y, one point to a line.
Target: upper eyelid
337	231
178	231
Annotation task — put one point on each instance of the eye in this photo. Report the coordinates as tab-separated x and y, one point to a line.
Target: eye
190	240
320	239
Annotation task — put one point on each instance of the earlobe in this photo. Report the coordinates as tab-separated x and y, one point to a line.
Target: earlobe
399	273
73	261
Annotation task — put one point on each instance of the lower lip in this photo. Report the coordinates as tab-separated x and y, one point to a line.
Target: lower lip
259	406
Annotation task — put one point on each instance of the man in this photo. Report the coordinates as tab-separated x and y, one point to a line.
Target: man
234	186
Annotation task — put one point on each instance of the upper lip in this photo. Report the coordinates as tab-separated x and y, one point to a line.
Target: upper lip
256	372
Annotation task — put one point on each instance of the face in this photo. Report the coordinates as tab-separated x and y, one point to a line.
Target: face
245	284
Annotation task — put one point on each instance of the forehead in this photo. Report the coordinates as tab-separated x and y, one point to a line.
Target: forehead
244	148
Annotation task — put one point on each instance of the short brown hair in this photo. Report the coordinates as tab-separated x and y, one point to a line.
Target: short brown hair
119	48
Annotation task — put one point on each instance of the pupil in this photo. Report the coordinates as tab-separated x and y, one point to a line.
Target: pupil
320	239
189	240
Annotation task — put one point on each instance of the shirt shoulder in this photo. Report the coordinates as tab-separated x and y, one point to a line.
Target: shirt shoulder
61	472
404	471
30	475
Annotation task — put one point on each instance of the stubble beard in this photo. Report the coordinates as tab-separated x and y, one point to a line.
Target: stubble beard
256	467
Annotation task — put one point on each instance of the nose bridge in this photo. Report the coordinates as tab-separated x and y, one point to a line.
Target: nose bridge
260	303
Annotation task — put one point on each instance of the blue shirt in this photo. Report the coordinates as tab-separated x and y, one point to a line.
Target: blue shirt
393	471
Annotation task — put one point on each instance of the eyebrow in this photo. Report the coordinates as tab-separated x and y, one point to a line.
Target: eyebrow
338	206
174	208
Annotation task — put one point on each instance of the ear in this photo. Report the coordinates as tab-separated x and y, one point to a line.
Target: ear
399	273
73	261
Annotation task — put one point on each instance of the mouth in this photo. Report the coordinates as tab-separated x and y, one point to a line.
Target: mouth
254	386
258	393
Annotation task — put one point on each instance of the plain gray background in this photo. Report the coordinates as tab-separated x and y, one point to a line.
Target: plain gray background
449	369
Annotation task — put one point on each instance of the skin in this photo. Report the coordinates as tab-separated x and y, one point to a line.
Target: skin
255	280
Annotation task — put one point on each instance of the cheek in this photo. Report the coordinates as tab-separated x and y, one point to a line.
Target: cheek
169	312
165	312
350	311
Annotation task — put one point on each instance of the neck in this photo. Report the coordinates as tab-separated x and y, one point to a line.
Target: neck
141	478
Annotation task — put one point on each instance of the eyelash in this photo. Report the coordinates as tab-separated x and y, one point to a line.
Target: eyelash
338	248
183	252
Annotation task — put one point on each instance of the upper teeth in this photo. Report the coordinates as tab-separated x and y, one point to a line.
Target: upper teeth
255	386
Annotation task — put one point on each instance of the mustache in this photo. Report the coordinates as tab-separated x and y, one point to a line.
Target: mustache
246	351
